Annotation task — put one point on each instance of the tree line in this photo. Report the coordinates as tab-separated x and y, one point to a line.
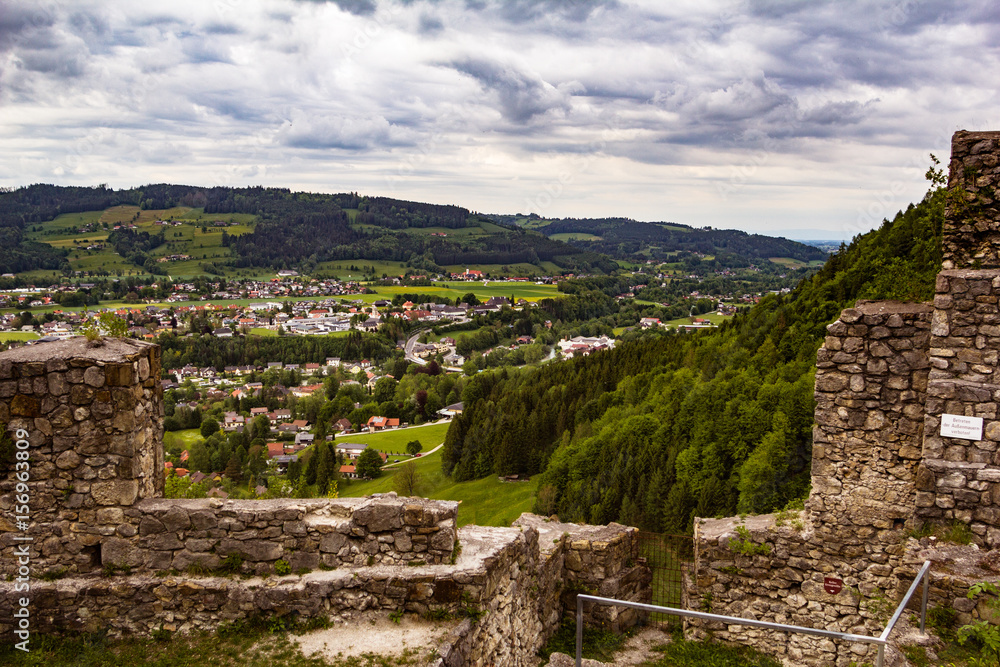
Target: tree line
668	427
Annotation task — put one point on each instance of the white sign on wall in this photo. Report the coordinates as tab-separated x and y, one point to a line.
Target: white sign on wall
958	426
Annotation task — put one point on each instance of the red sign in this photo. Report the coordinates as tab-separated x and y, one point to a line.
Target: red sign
832	585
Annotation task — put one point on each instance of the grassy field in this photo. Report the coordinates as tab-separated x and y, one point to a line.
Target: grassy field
185	239
395	440
575	236
796	263
342	268
257	331
452	290
183	439
714	318
485	502
17	335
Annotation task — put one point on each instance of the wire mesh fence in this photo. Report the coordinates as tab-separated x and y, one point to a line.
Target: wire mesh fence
669	557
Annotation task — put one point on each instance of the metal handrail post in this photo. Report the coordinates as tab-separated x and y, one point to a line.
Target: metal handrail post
880	641
579	629
906	599
923	603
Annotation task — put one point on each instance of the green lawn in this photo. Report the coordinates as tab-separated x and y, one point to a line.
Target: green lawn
184	438
17	335
485	502
714	318
257	331
575	236
395	440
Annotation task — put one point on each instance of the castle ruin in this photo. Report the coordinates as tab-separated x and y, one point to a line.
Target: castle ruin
89	541
906	431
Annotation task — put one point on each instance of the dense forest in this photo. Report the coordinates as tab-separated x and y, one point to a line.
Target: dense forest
669	427
622	238
294	229
218	353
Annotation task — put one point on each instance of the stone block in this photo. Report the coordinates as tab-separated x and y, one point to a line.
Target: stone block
115	491
25	406
332	543
68	460
94	376
120	552
379	517
175	519
251	549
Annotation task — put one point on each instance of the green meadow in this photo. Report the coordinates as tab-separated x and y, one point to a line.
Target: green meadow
395	440
714	318
575	236
17	335
183	439
484	502
452	290
792	263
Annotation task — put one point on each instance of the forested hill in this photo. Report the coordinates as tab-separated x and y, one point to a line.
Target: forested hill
667	428
622	238
294	229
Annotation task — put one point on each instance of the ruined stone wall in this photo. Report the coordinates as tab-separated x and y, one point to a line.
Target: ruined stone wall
107	552
164	534
595	560
960	478
972	218
756	568
887	375
93	423
871	385
507	587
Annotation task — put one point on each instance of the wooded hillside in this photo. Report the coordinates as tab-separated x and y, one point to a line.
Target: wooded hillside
673	426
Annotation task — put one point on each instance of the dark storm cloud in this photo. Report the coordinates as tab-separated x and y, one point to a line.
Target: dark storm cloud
356	7
430	25
522	11
446	86
521	96
20	19
315	131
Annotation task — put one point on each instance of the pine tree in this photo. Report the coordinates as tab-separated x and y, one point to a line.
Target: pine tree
234	468
323	468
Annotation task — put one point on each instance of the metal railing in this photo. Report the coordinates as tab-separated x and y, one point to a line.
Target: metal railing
881	640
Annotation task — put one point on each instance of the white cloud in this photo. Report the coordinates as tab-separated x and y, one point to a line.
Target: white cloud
651	106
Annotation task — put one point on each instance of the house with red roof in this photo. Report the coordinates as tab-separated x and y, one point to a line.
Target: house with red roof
376	423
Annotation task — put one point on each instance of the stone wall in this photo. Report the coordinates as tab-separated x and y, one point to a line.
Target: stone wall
595	560
960	479
776	574
166	534
972	218
509	589
93	419
107	552
871	385
886	376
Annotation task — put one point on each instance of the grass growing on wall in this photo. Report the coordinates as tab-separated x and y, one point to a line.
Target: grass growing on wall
260	643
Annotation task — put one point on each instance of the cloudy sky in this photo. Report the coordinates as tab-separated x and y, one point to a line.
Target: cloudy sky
805	119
